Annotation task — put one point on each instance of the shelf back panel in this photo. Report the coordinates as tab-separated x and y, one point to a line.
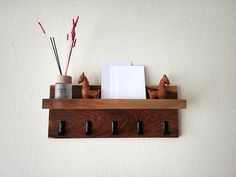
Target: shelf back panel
101	121
76	91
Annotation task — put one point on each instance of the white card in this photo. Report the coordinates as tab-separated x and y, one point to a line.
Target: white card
106	76
128	82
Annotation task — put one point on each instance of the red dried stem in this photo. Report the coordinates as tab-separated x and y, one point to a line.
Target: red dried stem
73	41
45	34
51	47
41	26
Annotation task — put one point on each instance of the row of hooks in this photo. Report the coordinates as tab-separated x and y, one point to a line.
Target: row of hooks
114	128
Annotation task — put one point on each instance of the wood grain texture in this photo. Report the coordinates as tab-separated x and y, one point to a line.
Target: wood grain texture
102	121
101	112
76	91
114	104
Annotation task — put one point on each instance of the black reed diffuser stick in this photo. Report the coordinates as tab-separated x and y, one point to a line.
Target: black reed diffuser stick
59	65
56	54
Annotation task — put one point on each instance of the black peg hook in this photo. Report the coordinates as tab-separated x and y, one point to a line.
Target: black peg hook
114	128
88	128
139	127
165	128
61	128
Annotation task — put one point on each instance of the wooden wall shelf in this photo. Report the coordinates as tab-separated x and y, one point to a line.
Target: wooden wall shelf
101	118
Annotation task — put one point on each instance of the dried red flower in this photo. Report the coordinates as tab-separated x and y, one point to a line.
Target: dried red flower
73	41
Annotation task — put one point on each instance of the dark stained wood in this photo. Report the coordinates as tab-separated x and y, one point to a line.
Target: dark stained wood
76	91
102	119
114	104
102	112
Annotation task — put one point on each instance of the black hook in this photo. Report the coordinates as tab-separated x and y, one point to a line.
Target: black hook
165	127
114	128
139	127
88	128
61	128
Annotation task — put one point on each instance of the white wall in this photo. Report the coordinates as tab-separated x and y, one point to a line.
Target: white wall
192	41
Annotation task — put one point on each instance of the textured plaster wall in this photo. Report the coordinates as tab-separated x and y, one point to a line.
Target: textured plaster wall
192	41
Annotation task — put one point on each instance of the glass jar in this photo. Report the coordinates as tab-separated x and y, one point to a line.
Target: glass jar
63	87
